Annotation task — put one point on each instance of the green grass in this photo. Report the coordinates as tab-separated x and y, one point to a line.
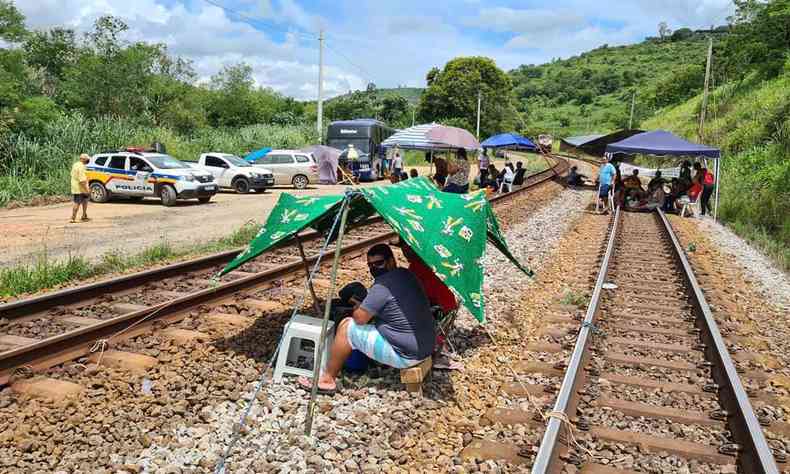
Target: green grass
750	121
44	273
40	167
575	299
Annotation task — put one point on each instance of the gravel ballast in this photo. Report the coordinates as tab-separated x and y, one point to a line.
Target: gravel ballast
373	425
774	284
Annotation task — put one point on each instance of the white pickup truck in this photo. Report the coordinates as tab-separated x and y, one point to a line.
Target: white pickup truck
231	172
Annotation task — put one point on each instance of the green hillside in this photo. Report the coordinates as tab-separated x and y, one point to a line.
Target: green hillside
592	92
750	121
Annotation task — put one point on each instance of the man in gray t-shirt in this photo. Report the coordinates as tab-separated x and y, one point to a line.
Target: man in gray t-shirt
402	333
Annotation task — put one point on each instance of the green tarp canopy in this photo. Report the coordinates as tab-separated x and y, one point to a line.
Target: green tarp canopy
448	231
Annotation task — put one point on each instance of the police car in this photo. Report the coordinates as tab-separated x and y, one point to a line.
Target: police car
136	174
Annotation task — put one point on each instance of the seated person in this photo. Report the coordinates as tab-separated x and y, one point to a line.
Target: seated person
507	175
413	173
656	182
493	174
653	201
633	181
672	196
437	292
440	176
574	178
633	186
402	333
518	180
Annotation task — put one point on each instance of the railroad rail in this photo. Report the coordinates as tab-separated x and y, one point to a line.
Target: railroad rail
645	292
162	294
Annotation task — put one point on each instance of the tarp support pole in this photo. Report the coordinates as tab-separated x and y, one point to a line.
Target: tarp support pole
718	183
322	343
316	306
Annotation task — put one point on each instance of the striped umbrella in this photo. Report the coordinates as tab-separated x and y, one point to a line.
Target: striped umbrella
432	136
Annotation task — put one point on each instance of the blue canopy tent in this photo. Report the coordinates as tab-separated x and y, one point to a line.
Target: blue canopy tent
664	143
258	154
508	140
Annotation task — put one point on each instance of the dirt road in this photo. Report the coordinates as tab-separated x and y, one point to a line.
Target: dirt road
127	227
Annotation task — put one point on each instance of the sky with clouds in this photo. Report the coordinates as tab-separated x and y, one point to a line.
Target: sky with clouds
389	43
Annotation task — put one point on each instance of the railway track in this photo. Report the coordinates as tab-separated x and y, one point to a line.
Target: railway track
47	330
650	368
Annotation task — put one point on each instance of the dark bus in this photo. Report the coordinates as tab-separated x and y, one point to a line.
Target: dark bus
366	135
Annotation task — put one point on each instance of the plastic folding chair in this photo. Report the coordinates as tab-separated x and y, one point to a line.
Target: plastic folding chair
688	203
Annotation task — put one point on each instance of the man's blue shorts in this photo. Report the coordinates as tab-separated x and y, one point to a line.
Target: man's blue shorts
603	193
367	339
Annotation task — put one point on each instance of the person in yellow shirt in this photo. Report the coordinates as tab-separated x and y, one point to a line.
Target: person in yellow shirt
79	188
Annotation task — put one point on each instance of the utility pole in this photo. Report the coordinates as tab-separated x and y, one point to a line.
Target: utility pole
479	100
320	108
705	91
413	109
631	119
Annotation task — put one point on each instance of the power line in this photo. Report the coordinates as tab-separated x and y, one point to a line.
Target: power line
251	20
366	75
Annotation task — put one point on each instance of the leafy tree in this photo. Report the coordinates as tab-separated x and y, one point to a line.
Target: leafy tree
663	30
51	52
110	77
759	38
682	34
451	96
393	110
12	22
33	115
15	80
231	104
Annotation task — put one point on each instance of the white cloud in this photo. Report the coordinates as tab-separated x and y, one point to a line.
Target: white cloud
211	37
392	42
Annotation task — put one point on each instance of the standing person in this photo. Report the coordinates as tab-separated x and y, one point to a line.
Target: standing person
458	182
605	182
483	163
79	188
708	183
352	155
685	174
397	163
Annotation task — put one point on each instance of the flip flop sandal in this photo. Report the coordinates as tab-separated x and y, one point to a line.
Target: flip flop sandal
85	219
72	221
306	384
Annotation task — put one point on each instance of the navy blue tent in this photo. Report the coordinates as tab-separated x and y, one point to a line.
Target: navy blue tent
661	143
505	140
